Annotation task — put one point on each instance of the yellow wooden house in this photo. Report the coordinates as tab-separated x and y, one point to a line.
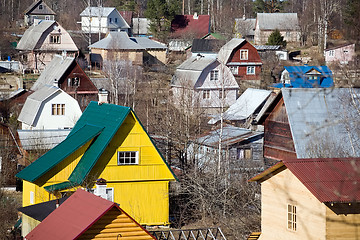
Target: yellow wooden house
108	142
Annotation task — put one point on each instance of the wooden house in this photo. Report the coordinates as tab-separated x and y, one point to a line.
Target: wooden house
244	62
86	216
342	54
66	73
286	23
202	81
108	142
42	41
38	11
314	198
310	123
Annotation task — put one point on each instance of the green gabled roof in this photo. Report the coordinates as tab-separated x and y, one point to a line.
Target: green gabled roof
46	162
59	186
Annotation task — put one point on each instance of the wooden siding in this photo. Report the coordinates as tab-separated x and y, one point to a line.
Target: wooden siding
135	56
280	190
341	226
278	142
115	225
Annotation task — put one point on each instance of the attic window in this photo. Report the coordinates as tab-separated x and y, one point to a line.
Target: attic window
57	109
291	217
244	54
40	6
55	39
214	75
115	20
128	157
73	82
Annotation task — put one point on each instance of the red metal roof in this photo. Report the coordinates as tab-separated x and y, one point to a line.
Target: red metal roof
196	27
329	179
76	215
127	15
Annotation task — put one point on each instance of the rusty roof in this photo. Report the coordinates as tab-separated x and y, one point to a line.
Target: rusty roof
194	25
328	179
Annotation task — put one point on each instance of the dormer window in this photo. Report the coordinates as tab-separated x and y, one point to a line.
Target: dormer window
244	54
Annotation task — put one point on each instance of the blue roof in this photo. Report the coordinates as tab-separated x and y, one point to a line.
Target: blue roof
320	76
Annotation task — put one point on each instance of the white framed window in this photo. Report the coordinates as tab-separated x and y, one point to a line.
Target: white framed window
55	39
291	217
108	194
206	94
234	69
250	70
244	54
73	82
214	75
47	17
58	109
221	94
331	53
128	157
244	153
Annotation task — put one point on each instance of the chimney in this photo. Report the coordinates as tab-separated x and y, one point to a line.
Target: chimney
56	83
196	16
57	203
103	96
100	188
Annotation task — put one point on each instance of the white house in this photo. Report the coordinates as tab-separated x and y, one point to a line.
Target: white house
201	81
49	108
340	54
103	19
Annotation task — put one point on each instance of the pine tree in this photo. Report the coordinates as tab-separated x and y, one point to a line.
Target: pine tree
275	38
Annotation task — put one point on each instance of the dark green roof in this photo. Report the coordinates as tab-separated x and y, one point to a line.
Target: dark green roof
46	162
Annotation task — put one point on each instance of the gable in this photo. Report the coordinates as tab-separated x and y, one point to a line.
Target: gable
39	8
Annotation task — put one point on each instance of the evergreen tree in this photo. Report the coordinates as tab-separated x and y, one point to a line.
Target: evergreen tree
352	18
275	38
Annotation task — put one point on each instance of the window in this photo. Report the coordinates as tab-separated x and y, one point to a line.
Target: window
206	94
234	69
214	75
115	20
110	20
73	82
55	39
128	158
346	51
32	197
244	153
250	70
47	17
291	217
57	109
244	54
312	77
221	94
40	6
331	53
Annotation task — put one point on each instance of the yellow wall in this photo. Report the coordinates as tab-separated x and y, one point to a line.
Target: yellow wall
342	227
141	190
282	189
28	224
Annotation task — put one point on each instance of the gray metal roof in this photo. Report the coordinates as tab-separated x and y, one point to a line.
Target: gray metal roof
267	47
246	27
244	106
54	70
324	122
42	139
141	26
32	105
118	41
97	11
228	48
32	35
280	21
230	135
191	69
148	43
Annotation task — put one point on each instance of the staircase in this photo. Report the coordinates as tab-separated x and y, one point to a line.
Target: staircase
190	234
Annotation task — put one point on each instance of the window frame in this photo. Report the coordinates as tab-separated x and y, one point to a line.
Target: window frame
291	217
110	20
40	6
58	109
214	75
234	69
206	94
136	157
55	39
246	55
245	151
250	72
331	53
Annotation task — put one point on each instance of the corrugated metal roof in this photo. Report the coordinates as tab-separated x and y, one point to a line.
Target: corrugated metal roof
323	121
79	212
53	71
206	45
79	137
190	25
33	103
148	44
228	48
33	34
244	106
280	21
117	41
267	47
97	11
42	139
329	179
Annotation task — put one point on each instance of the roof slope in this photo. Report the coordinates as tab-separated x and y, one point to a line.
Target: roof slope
53	71
323	121
328	179
206	45
33	34
228	48
246	27
117	41
190	25
148	44
82	210
97	11
280	21
32	105
245	105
